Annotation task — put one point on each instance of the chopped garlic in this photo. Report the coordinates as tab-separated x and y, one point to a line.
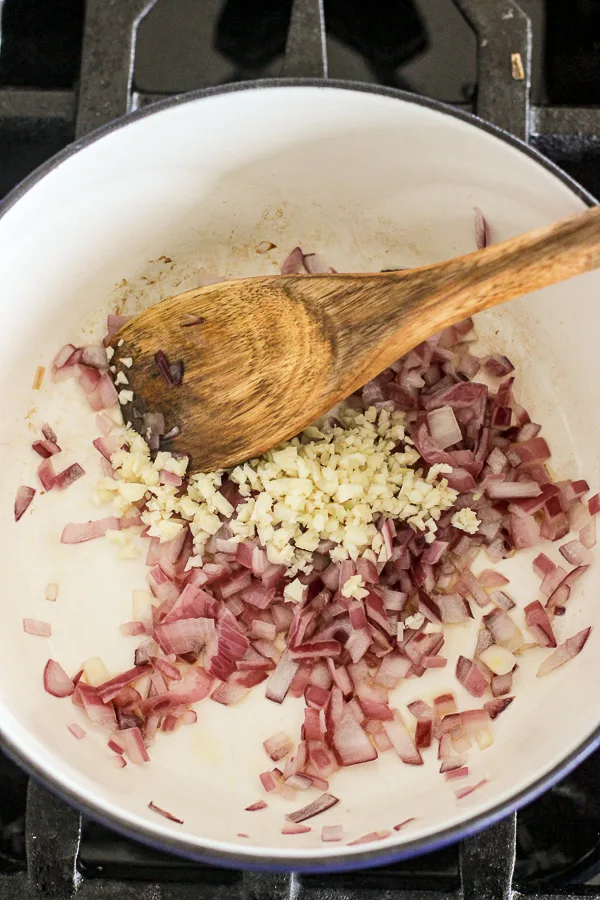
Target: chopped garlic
109	353
124	541
354	587
127	361
121	378
330	484
294	591
499	660
466	519
125	397
415	621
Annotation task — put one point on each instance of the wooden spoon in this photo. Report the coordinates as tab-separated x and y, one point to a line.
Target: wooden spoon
271	354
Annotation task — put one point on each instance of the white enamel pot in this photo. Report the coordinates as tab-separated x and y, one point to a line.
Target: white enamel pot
147	206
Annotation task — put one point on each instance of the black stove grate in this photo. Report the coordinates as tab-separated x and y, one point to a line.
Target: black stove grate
62	74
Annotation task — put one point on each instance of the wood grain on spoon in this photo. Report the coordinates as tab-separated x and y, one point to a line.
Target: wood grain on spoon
274	353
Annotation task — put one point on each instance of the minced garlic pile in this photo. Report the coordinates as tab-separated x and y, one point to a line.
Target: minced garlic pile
329	484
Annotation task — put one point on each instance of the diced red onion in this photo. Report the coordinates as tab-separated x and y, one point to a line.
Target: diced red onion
315	264
229	694
539	624
278	746
56	680
279	682
471	677
46	474
566	651
497	706
504	630
465	791
321	804
88	531
133	744
46	448
574	552
293	263
164	813
369	838
23	500
76	730
594	505
512	490
67	476
34	626
254	807
401	741
481	229
402	824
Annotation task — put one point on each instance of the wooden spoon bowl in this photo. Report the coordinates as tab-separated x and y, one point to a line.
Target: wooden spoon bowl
264	357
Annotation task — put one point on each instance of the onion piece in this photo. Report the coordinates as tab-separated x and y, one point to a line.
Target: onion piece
320	649
481	229
76	730
465	791
331	833
23	500
278	746
566	651
444	428
51	591
402	824
56	680
97	711
279	683
229	694
369	838
88	531
295	829
539	624
133	744
573	552
46	448
594	505
351	742
35	627
46	474
164	813
321	804
254	807
67	476
94	356
504	630
512	490
497	706
402	742
316	265
108	690
542	565
293	263
471	677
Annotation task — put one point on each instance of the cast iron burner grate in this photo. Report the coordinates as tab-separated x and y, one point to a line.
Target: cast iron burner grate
550	850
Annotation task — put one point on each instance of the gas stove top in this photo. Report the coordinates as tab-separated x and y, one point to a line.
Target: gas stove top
67	67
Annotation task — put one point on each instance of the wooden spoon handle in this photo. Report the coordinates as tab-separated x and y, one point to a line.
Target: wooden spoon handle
388	314
453	290
517	266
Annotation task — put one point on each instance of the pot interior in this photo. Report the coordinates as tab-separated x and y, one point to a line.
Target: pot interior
157	206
